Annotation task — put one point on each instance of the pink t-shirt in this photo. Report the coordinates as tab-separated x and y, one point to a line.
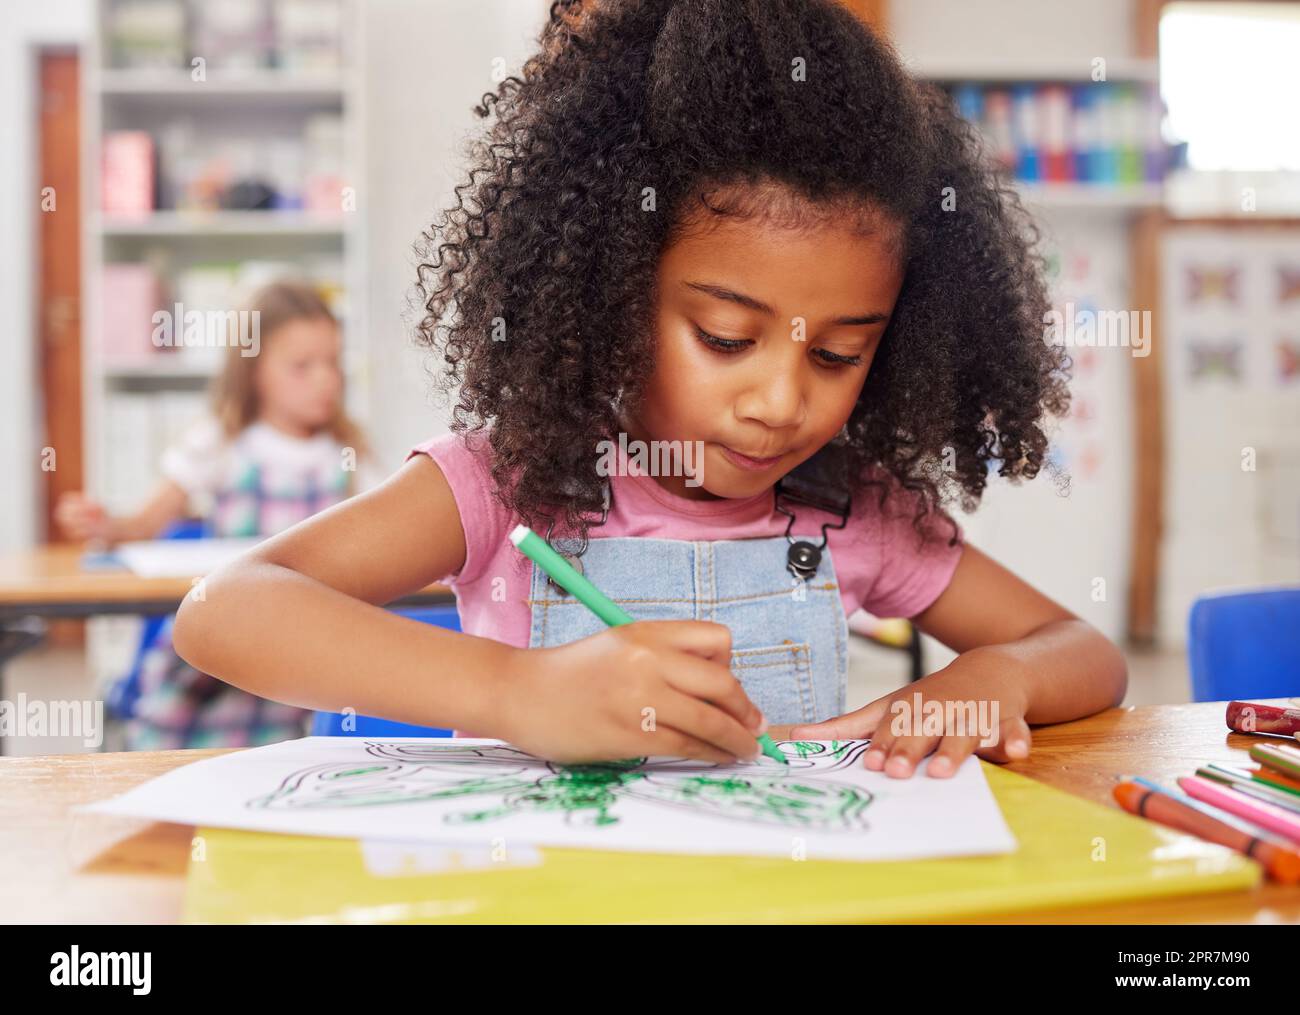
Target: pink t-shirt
880	562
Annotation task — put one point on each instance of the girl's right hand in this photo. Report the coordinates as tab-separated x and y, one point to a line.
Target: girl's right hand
655	687
82	518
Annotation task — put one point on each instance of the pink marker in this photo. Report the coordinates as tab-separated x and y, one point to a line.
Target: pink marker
1265	815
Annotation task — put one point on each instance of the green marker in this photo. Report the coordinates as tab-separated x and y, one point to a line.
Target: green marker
541	553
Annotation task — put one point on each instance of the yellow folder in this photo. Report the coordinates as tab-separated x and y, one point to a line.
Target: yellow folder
1072	852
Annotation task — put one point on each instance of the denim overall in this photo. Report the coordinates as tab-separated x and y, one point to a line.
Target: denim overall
789	638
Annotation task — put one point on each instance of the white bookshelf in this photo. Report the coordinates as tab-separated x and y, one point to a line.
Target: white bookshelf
223	223
277	86
1027	70
1092	196
126	402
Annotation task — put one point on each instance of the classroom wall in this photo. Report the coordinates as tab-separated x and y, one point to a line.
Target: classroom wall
1011	33
427	64
1068	531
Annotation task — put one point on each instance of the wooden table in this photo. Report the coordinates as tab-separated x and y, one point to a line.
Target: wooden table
50	581
60	867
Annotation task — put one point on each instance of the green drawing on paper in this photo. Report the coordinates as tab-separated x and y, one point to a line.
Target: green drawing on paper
592	790
763	792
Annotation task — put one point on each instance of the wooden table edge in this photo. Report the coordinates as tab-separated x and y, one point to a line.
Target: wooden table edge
1266	903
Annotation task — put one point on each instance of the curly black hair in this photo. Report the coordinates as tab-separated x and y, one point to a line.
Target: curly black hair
538	287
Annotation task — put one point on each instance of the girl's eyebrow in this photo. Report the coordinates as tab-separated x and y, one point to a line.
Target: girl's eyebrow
731	296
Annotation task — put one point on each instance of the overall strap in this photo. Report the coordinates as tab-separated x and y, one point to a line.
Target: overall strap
811	484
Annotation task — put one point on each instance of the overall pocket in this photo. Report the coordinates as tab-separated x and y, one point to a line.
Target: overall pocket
778	679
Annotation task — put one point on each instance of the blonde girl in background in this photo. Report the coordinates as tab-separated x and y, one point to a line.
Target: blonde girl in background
277	448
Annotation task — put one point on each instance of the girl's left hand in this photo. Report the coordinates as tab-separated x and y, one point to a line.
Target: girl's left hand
970	692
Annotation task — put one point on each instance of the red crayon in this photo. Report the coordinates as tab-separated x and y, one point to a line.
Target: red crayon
1251	717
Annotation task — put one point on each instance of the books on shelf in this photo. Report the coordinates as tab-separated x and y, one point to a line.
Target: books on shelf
1100	133
201	169
229	35
166	325
138	428
146	34
127	180
128	298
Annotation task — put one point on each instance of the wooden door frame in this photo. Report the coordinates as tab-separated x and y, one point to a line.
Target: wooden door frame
58	311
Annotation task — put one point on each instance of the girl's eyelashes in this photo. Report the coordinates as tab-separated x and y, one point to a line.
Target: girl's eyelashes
835	359
827	358
723	344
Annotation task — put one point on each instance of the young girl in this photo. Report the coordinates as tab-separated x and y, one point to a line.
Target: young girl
737	227
277	449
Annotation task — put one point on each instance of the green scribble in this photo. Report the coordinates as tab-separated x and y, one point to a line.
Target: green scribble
765	799
768	794
357	771
588	791
818	749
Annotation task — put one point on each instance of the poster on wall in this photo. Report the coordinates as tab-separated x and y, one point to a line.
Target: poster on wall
1230	304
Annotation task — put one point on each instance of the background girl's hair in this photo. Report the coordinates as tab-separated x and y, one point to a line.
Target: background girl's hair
234	394
638	117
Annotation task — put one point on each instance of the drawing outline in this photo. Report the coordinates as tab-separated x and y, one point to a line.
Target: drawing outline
763	792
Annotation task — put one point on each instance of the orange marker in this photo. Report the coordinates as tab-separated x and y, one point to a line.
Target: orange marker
1267	775
1278	757
1280	862
1259	775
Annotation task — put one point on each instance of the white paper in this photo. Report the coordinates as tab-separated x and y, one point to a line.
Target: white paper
180	558
823	805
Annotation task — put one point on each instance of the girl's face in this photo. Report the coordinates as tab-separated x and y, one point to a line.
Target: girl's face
764	339
298	379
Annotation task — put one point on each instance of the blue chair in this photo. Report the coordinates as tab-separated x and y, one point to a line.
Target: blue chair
122	696
1245	645
331	724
